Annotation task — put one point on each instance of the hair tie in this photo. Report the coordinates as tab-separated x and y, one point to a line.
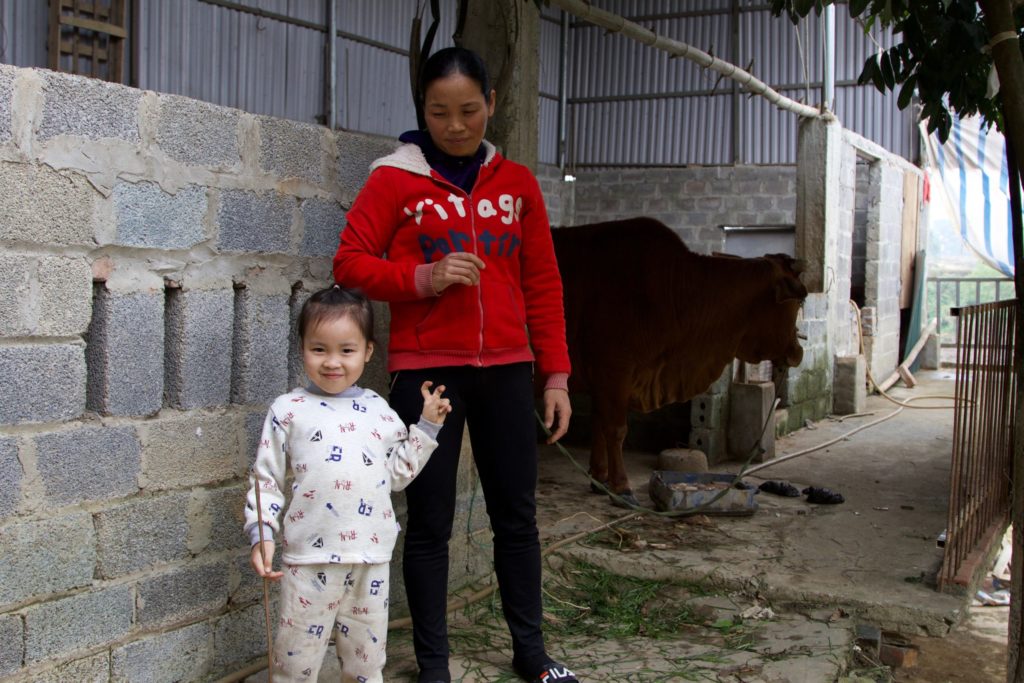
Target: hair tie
336	286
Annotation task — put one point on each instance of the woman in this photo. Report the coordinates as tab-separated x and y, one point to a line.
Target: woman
456	238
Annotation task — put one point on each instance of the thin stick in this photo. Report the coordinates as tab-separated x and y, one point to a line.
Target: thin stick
266	582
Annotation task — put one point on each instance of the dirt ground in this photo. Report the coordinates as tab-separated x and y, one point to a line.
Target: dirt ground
777	596
972	653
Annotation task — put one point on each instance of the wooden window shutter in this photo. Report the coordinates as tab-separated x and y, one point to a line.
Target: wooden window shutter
87	38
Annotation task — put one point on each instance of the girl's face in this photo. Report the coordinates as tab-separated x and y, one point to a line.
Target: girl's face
457	113
335	353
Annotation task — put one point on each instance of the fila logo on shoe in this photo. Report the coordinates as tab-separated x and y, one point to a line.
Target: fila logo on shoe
556	673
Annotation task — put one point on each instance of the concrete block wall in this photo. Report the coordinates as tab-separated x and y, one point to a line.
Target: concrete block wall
558	195
695	202
154	251
882	269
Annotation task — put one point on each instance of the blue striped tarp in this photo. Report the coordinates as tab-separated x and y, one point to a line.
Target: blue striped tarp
971	167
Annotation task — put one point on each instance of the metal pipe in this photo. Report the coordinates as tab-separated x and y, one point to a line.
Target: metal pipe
828	94
617	24
563	89
332	67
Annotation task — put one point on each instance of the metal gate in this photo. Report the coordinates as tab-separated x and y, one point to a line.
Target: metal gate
980	485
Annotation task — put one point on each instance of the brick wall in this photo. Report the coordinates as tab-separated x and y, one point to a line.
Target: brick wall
154	251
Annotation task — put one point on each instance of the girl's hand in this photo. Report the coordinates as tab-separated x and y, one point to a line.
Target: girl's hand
435	408
263	561
456	268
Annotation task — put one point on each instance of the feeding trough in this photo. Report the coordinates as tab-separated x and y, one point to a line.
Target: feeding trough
705	493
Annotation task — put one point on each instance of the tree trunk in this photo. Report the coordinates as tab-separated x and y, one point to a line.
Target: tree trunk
506	34
1010	67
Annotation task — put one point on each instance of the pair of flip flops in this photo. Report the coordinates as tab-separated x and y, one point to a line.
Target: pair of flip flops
815	494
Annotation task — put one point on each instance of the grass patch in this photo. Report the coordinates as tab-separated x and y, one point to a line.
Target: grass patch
591	601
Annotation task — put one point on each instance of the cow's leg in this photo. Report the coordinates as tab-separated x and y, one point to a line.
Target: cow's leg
598	458
610	423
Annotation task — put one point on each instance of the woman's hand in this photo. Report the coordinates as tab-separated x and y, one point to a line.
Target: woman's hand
456	268
263	561
556	412
435	408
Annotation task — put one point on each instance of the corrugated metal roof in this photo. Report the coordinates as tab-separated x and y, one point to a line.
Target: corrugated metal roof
628	103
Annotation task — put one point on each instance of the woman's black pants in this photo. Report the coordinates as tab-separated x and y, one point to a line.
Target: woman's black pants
498	405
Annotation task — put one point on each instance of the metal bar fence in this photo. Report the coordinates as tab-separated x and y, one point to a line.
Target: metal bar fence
980	472
946	293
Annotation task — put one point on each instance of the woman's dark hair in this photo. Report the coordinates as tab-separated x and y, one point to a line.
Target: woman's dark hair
333	303
454	60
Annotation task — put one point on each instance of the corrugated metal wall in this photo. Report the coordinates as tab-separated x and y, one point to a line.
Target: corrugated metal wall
636	106
629	105
23	26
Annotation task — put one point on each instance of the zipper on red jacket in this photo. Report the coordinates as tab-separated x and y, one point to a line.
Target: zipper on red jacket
472	230
480	288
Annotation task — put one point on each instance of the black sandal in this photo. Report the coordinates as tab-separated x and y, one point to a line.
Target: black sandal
780	488
823	496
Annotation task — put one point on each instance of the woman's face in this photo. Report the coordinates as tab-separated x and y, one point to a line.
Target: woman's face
456	113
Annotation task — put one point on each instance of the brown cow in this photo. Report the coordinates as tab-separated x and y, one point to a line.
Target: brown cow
650	322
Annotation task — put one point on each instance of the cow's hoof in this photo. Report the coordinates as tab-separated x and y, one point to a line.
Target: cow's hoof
626	499
594	488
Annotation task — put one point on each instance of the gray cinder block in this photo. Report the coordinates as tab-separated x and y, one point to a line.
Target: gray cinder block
216	519
290	149
183	593
34	391
7	75
141	533
85	620
711	441
91	463
49	296
46	556
199	336
147	216
190	450
706	410
94	669
29	214
12	635
254	221
240	636
11	474
750	410
181	655
323	222
125	353
355	154
849	393
198	133
88	107
64	299
260	364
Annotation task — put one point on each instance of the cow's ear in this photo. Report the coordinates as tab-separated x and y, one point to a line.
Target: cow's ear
788	288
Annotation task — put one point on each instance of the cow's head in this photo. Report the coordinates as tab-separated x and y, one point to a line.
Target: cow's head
771	333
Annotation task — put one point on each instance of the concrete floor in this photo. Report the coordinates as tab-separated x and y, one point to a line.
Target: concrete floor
823	570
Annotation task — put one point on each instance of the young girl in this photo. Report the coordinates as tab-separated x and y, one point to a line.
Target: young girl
347	451
456	239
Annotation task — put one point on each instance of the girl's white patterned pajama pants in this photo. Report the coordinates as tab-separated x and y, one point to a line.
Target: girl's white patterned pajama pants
316	598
